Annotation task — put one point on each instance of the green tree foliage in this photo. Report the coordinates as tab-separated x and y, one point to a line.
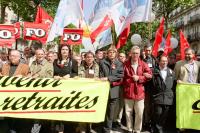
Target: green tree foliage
3	5
165	7
26	9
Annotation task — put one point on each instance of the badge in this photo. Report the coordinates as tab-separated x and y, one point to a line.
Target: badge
113	66
91	71
150	65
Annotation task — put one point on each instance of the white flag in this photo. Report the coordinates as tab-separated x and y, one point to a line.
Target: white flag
119	13
104	39
68	12
142	12
130	11
122	12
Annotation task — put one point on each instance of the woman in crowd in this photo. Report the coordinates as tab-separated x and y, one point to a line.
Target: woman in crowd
65	67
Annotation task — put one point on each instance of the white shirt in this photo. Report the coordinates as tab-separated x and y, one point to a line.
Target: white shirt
191	73
134	66
163	73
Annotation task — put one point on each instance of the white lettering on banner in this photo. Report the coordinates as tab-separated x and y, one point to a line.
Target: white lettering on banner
5	34
73	37
16	30
37	32
48	22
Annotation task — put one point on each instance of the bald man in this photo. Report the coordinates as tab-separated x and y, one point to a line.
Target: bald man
41	68
14	67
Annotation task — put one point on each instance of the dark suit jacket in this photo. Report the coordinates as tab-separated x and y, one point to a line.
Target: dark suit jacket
163	91
22	69
114	75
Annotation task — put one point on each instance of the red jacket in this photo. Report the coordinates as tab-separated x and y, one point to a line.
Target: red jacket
135	90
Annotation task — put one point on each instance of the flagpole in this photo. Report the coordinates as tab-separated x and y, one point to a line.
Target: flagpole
88	30
150	34
16	44
82	6
114	37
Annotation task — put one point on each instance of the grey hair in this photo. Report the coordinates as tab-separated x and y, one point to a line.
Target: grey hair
14	50
135	48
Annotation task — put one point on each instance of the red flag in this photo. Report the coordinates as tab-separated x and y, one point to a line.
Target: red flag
158	38
7	35
17	30
34	31
104	25
43	17
123	37
72	36
183	44
168	48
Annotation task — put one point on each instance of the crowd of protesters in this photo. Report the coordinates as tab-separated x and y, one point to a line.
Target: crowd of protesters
142	87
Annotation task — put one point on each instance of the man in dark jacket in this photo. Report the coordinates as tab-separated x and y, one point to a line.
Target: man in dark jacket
163	93
111	70
152	63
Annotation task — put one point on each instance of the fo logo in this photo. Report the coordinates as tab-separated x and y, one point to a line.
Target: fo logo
36	32
73	37
5	34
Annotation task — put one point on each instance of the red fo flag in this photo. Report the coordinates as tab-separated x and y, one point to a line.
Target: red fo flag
17	30
123	37
34	31
183	45
43	17
158	38
104	25
72	36
7	35
168	48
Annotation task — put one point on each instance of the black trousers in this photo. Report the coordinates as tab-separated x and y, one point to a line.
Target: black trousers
111	114
159	117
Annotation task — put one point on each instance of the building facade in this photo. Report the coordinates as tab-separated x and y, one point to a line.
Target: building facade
188	19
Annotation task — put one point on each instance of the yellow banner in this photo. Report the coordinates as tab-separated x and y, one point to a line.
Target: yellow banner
81	100
188	106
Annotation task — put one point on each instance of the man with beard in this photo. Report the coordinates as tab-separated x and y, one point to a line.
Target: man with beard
187	70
